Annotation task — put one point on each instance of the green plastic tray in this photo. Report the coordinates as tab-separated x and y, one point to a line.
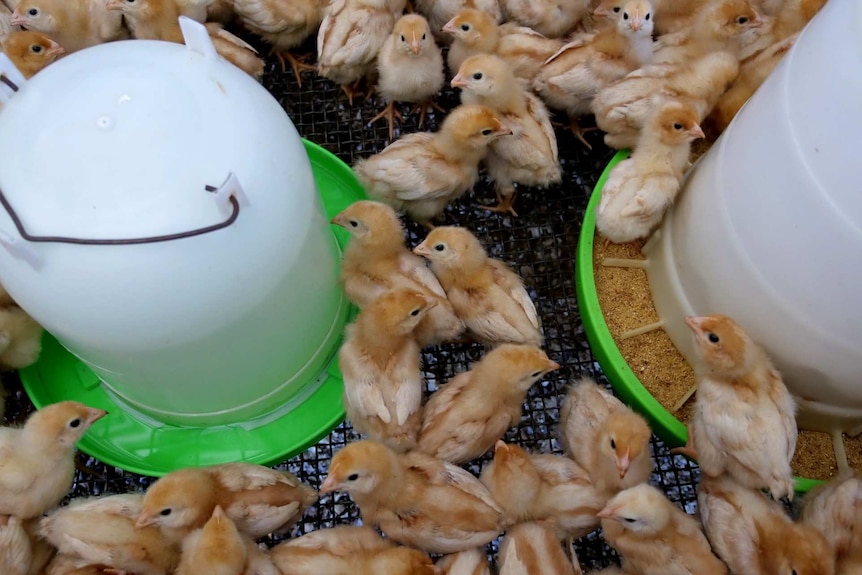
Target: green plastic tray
149	448
622	378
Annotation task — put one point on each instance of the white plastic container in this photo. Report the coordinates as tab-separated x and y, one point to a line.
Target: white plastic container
768	228
119	142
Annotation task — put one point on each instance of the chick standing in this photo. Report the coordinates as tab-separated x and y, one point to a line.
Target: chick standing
488	296
380	362
376	261
744	421
415	499
605	437
438	12
421	173
464	418
31	52
73	25
410	66
655	537
37	462
529	156
533	549
835	509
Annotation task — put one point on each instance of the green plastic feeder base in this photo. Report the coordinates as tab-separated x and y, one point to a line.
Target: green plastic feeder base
615	367
146	447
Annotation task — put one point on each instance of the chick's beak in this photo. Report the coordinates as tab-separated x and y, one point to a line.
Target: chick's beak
694	323
623	464
500	445
144	520
552	365
608	512
114	5
55	49
97	414
416	46
636	24
449	26
17	19
458	81
422	250
336	220
328	486
696	132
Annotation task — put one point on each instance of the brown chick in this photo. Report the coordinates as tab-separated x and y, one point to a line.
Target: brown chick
571	78
605	437
470	562
438	12
655	537
73	25
835	509
216	549
380	363
37	462
475	32
464	418
543	487
410	67
421	173
16	554
101	531
31	52
488	296
259	500
376	261
551	18
744	421
533	549
529	156
754	535
415	499
285	24
791	18
20	337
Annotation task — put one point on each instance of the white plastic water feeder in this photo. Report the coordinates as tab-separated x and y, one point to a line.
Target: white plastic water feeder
163	221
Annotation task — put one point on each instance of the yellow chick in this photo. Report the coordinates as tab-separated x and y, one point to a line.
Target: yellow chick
744	421
438	12
376	261
31	52
350	36
571	78
641	188
410	66
37	461
415	499
421	173
20	336
284	25
259	500
73	25
380	363
529	156
754	535
470	562
16	554
605	437
835	509
655	537
101	531
488	296
623	108
464	418
215	549
543	487
551	18
790	18
533	549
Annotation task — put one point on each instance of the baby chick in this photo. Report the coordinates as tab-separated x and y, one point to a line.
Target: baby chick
284	24
258	499
754	535
655	537
16	554
791	18
376	262
605	437
31	52
675	15
835	509
551	18
20	335
380	362
438	12
744	422
469	414
470	562
37	461
350	36
421	173
641	188
623	108
101	531
488	296
216	549
415	499
571	78
543	487
73	25
6	27
529	156
410	66
533	549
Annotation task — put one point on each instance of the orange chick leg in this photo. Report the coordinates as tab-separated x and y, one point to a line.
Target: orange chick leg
423	109
579	132
351	91
296	63
390	113
505	203
689	450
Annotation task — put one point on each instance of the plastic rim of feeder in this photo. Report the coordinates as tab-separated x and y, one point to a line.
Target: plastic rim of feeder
622	378
151	449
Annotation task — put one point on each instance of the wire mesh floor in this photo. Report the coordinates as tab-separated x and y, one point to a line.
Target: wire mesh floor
540	245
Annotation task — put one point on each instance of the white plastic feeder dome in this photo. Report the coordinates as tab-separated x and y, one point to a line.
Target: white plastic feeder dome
768	228
171	236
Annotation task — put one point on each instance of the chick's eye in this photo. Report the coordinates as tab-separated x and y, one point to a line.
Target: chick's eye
617	9
712	338
33	12
36	49
423	36
628	520
465	27
793	572
647	16
165	512
677	126
477	76
613	444
625	15
415	312
439	247
75	423
486	132
402	38
536	374
353	223
742	19
353	477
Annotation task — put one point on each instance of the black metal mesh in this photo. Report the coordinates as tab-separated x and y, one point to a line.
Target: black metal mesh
540	245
